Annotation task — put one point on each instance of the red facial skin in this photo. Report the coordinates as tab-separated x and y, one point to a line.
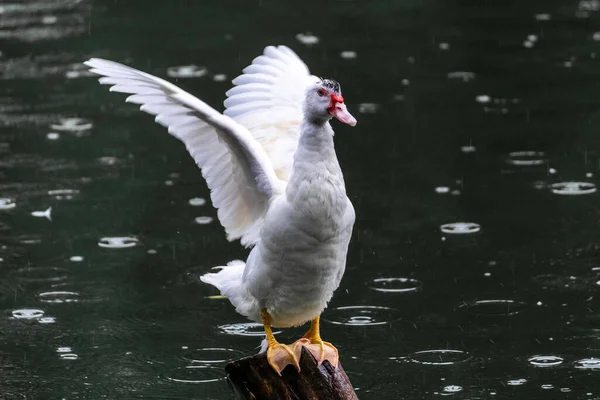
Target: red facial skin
334	100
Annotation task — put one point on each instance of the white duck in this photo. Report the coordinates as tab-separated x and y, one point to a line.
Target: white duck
270	163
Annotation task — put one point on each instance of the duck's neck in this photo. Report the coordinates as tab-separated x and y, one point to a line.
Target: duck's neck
316	168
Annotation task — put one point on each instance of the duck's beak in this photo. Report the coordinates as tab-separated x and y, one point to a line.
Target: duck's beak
341	113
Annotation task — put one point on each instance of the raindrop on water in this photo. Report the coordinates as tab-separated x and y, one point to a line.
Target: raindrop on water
526	158
63	194
7	204
307	38
59	297
493	308
395	285
203	220
64	350
27	313
573	188
196	374
118	242
460	228
587	363
545	361
439	357
186	71
348	54
244	329
452	389
212	355
516	382
72	125
361	315
197	201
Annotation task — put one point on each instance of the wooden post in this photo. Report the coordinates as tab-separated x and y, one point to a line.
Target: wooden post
253	378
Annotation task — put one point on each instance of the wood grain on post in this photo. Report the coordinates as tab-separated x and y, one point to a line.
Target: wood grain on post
253	378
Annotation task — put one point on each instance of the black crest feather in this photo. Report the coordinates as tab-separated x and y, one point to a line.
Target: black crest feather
331	85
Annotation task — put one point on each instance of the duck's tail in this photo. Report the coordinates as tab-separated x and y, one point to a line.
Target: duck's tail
230	283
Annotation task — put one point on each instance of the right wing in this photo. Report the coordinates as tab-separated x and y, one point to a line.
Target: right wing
268	99
239	173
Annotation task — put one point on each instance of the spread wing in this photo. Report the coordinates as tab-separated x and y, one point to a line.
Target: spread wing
237	169
268	99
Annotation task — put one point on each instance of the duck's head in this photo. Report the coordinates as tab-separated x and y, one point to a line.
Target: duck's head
324	100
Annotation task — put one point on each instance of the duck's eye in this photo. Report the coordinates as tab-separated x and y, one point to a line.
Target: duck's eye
321	92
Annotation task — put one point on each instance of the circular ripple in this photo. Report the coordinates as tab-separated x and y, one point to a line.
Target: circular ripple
40	274
452	389
72	125
396	285
587	363
118	242
439	357
244	329
545	361
197	201
196	374
27	313
516	382
186	71
526	158
362	315
212	355
494	308
59	297
203	220
7	204
47	320
573	188
460	228
69	356
307	38
63	194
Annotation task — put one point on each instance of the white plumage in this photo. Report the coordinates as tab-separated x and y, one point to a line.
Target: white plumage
270	164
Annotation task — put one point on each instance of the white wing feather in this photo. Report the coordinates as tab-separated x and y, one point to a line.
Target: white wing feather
237	169
267	99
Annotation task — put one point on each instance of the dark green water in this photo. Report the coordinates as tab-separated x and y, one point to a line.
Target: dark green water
511	311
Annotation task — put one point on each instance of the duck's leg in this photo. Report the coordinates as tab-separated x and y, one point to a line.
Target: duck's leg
279	355
320	350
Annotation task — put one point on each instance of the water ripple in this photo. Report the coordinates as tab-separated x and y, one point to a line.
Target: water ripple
362	315
545	361
588	363
186	71
196	374
212	355
244	329
572	188
59	297
395	285
494	308
27	313
460	228
439	357
118	242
